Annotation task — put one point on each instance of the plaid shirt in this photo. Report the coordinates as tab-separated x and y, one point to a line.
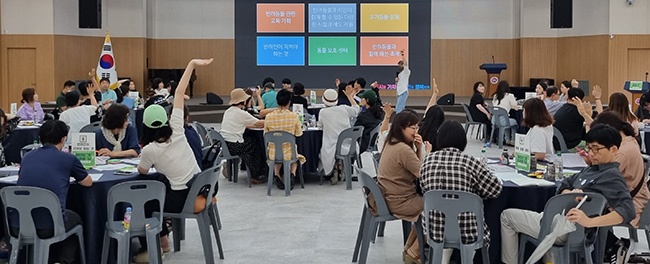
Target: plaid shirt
450	169
282	120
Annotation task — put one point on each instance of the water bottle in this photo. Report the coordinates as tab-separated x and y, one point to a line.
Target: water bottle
483	157
559	172
127	219
312	97
505	158
550	171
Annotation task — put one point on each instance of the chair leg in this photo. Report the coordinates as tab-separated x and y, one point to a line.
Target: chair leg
105	247
485	253
347	171
287	178
357	244
181	229
382	226
302	174
420	236
176	229
270	179
216	213
206	240
41	252
367	236
406	230
153	247
522	249
15	250
215	227
374	231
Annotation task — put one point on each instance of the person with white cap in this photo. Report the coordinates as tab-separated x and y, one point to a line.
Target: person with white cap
160	135
234	124
334	119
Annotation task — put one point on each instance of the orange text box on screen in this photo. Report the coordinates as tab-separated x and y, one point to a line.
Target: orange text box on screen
382	51
280	18
384	18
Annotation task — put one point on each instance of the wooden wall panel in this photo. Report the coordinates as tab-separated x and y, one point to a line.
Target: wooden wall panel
538	59
584	58
619	47
44	46
218	77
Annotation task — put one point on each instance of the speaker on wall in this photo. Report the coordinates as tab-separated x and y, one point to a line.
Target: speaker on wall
561	13
90	13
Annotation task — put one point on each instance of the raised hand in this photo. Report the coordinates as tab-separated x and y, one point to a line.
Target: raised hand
337	81
435	87
597	91
201	62
91	74
388	109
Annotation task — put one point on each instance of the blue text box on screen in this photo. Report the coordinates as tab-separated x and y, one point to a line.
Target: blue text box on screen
280	51
332	18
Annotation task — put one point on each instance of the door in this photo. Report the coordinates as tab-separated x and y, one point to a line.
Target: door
21	65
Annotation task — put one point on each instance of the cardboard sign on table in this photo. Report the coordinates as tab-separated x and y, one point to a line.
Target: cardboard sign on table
83	146
522	152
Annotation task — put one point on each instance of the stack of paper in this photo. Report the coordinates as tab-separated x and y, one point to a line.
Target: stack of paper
522	180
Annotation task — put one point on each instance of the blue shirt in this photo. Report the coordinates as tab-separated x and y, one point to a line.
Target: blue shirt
51	169
109	94
130	140
195	144
128	101
269	99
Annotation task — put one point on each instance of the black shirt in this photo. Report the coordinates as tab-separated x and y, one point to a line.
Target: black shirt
477	115
570	123
297	99
369	121
642	113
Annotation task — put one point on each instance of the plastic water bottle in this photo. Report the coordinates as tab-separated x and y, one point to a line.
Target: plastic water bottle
559	172
127	219
483	157
505	157
312	97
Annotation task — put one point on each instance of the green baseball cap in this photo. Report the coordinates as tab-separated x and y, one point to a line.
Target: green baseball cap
154	116
369	95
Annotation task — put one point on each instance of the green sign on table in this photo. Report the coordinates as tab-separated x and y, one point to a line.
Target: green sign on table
522	153
83	146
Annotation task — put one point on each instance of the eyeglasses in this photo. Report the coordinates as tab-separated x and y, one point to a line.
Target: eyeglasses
414	127
594	149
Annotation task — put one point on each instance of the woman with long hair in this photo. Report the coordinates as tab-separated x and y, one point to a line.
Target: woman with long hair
431	121
368	118
564	90
478	108
619	104
540	122
504	99
399	168
30	109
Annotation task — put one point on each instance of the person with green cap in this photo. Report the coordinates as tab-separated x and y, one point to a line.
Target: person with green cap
370	117
165	147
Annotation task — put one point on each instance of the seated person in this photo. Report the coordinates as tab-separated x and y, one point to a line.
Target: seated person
193	137
68	86
342	98
126	100
506	100
619	104
433	118
552	100
369	118
234	124
116	138
108	95
643	111
569	119
31	108
479	109
540	89
448	168
541	128
282	119
50	168
602	176
77	116
297	98
334	119
269	96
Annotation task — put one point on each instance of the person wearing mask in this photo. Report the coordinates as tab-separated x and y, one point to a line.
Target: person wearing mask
31	109
478	108
334	119
369	118
552	101
116	138
540	122
108	95
166	149
504	99
448	168
52	169
402	83
68	86
603	177
398	170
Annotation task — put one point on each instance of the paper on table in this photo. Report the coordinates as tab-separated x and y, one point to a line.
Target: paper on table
96	176
133	169
573	160
10	169
313	128
101	160
133	161
500	168
111	167
9	179
522	180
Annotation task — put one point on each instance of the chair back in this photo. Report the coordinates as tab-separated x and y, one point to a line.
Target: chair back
203	133
500	117
217	137
206	179
560	139
91	128
374	134
28	148
136	193
24	199
451	204
349	135
594	205
370	187
468	114
278	138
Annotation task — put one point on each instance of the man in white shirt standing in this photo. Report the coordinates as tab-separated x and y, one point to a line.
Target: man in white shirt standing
402	82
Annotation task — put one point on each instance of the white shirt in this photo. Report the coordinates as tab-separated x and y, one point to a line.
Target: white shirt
508	102
234	124
77	117
541	139
174	158
403	80
334	120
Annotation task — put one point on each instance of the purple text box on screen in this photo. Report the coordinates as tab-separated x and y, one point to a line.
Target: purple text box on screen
332	18
280	51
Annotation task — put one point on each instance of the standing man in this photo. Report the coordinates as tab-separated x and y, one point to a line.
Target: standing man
402	82
107	94
60	100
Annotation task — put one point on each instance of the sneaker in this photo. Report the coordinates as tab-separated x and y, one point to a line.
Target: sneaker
625	250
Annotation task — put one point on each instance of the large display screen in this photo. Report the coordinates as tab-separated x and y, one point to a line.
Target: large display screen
315	42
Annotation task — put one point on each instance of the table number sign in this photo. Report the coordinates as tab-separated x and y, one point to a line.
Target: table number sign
522	152
83	146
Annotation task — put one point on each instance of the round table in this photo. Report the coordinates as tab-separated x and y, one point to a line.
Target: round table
17	139
309	145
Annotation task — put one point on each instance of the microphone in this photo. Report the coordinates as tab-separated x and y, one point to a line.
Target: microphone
493	63
646	76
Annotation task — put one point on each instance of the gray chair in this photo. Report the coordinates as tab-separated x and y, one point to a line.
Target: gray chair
205	218
369	222
576	241
28	148
203	133
232	162
470	123
22	200
501	121
91	128
560	139
374	135
135	193
278	138
352	136
452	204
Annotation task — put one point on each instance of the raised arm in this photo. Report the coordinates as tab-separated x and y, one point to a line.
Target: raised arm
597	92
388	111
93	78
185	80
434	96
404	59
